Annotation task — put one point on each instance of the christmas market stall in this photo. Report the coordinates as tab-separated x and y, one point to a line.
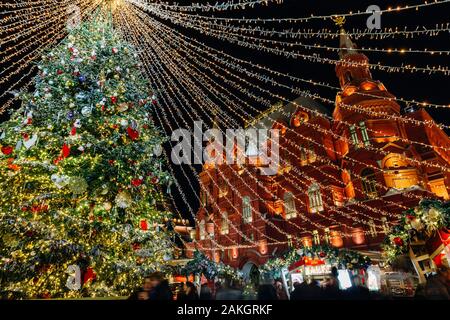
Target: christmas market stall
422	235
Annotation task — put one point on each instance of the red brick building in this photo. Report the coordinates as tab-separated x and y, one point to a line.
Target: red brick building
343	175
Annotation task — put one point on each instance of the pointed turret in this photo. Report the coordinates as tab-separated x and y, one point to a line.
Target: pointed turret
346	45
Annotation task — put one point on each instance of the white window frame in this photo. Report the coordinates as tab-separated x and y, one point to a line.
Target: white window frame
202	229
224	229
315	198
316	237
289	205
354	135
246	209
372	228
364	134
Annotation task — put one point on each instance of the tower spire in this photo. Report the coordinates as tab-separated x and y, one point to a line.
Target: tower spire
346	45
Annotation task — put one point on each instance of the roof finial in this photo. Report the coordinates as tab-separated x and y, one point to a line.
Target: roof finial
339	21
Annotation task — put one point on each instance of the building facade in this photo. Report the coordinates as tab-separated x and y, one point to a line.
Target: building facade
343	178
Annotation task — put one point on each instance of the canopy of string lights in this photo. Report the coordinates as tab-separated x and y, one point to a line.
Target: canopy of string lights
235	63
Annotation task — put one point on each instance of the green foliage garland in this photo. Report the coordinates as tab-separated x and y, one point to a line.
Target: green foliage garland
420	222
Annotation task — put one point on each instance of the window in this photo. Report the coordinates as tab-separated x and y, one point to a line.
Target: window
386	228
327	235
311	153
246	210
354	135
224	227
289	205
303	156
369	183
338	197
372	228
203	198
202	230
315	198
316	237
365	135
223	190
307	154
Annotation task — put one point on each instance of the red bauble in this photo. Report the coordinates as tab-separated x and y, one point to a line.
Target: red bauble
155	180
73	131
398	241
136	246
59	71
89	275
65	151
133	134
136	182
144	225
113	100
322	254
7	150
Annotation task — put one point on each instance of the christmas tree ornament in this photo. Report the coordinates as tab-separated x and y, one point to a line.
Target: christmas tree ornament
60	181
123	199
28	143
107	205
86	111
77	185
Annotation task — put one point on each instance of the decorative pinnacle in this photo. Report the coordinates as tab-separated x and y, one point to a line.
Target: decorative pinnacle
339	20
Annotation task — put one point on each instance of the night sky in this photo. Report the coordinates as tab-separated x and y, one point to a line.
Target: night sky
422	87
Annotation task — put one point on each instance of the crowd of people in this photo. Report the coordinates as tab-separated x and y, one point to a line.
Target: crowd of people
156	287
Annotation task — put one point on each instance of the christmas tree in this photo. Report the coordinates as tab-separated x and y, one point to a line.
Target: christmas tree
81	184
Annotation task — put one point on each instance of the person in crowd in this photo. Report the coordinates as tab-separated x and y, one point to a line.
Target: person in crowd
331	290
307	290
437	286
146	290
281	292
162	291
229	292
189	292
205	292
296	294
357	291
267	292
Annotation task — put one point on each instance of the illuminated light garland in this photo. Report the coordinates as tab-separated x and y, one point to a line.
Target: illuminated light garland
247	43
348	124
266	79
288	235
219	6
199	76
312	17
35	53
289	34
358	220
376	168
155	76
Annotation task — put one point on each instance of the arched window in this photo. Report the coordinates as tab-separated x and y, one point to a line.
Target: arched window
307	153
224	227
316	237
202	230
289	205
369	183
246	210
311	153
315	198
